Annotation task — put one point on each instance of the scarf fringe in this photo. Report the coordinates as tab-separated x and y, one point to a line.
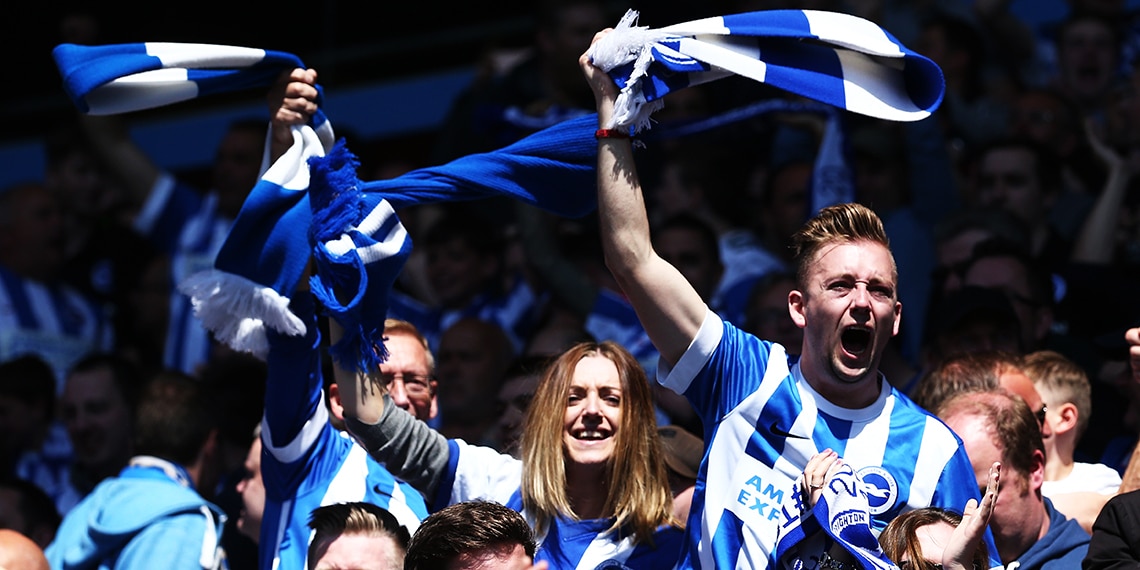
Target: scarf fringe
218	296
627	43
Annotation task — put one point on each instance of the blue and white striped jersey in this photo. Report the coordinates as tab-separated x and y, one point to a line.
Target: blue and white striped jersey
482	473
53	321
306	462
514	312
762	424
184	223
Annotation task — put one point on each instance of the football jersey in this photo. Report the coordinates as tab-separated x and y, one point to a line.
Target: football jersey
482	473
763	421
182	222
50	320
513	311
307	463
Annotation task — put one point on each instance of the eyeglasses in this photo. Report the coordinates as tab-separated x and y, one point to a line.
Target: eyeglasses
414	384
1040	415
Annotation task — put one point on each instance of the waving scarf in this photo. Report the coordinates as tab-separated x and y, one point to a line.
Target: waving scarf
265	254
834	58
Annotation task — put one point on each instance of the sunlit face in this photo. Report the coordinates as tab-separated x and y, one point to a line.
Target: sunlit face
932	541
593	412
97	418
1015	501
361	552
411	386
849	310
252	490
1017	382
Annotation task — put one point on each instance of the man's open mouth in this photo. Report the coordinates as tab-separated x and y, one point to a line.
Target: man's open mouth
856	339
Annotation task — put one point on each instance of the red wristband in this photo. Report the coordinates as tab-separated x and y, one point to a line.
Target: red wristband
611	134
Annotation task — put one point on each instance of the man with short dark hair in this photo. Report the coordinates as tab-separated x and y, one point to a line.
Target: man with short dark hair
356	535
152	513
472	535
766	412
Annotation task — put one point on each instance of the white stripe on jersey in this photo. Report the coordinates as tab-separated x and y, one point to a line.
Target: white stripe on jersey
942	447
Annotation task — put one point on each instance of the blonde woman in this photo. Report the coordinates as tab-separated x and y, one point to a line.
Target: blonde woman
591	481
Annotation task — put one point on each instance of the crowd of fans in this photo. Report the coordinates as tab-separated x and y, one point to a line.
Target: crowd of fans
1011	214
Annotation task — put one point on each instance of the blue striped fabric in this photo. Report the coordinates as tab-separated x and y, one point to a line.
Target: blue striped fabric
834	58
265	253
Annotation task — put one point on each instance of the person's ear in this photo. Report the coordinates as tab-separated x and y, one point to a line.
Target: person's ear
1067	418
434	400
335	406
797	308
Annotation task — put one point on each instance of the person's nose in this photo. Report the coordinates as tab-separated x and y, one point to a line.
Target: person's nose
861	297
399	394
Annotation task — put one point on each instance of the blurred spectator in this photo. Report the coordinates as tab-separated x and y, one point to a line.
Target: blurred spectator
522	91
472	535
105	257
691	245
179	220
17	552
26	509
1077	489
970	320
39	312
356	535
767	315
972	110
35	444
1115	534
465	265
996	426
683	453
128	520
1024	178
1088	47
471	363
97	409
519	385
980	371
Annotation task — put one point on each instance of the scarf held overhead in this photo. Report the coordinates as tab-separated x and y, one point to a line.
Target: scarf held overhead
834	58
269	246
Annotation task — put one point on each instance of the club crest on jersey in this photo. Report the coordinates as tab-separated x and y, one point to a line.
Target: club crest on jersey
882	490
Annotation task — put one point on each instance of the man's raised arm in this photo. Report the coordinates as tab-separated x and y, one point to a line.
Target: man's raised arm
669	308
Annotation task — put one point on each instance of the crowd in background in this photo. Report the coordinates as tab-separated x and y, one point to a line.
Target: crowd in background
1012	213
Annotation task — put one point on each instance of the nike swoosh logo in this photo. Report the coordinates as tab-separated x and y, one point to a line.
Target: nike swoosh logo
782	433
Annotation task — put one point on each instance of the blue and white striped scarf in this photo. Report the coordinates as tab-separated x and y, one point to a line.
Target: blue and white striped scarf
841	515
266	252
834	58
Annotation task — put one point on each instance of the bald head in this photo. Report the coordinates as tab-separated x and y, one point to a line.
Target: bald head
18	552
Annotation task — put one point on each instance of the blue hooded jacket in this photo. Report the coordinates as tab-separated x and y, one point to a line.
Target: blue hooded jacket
1062	548
149	516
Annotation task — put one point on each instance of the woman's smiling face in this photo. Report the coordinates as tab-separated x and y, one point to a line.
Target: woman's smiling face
593	411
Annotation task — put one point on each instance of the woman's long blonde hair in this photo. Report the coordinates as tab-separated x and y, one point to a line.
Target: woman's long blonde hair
639	499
